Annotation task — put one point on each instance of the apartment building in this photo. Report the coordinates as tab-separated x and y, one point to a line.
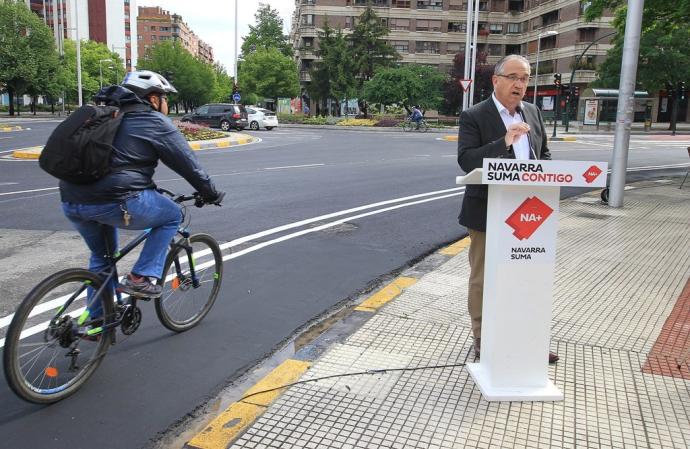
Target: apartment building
432	32
155	25
105	21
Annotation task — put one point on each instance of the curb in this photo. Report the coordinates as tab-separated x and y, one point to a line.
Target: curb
225	428
10	128
450	138
563	139
240	139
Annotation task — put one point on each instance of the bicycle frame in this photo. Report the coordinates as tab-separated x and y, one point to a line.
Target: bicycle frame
110	276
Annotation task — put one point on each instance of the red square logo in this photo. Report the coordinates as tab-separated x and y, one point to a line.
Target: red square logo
528	217
591	174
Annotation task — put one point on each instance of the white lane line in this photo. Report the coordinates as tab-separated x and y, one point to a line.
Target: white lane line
294	166
8	183
28	191
5	321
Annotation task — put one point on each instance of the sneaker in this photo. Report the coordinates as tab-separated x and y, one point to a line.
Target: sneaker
140	286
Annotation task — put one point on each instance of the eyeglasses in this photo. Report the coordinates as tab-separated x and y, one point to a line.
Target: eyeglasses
515	78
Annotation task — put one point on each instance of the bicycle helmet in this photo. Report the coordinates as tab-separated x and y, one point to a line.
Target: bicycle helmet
146	82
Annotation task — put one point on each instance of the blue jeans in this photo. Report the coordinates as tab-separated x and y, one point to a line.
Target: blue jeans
148	209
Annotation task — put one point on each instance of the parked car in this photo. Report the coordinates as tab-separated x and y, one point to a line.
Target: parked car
225	116
261	118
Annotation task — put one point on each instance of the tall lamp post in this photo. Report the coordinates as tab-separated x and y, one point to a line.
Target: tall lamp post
536	66
100	69
572	75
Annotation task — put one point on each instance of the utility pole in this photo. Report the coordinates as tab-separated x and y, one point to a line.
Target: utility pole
626	101
468	53
474	52
235	77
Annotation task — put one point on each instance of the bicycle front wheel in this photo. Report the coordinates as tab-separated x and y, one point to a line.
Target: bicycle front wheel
423	127
56	339
407	126
192	279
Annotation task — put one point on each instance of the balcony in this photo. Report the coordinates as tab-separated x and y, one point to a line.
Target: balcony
304	75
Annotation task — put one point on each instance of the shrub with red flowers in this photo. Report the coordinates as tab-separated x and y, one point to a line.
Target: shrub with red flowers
191	131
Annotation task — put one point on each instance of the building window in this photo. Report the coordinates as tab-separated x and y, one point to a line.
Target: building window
513	49
483	6
430	4
308	19
308	42
399	24
513	28
400	3
549	18
140	37
455	47
153	28
128	38
348	21
457	27
428	25
587	34
376	3
457	5
496	49
154	37
496	28
401	46
427	47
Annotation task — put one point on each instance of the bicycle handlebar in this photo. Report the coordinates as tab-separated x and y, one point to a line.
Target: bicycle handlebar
178	198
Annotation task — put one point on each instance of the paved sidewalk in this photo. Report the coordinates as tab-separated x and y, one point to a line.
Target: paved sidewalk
621	318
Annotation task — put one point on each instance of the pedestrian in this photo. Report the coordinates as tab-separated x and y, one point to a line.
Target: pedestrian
502	126
306	110
126	197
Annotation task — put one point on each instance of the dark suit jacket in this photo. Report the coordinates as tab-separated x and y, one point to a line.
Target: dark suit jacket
481	135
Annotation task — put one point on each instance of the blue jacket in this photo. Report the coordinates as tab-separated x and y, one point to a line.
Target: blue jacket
143	139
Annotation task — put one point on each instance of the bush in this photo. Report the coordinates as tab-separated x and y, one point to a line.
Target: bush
388	122
357	122
315	121
290	118
191	132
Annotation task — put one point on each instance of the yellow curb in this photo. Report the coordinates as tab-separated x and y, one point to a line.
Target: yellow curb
227	426
10	128
456	248
28	153
387	293
195	146
450	138
287	372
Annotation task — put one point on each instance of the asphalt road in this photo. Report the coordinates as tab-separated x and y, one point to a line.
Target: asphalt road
313	218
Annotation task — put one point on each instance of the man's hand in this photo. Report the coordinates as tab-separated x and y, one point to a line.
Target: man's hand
216	199
515	131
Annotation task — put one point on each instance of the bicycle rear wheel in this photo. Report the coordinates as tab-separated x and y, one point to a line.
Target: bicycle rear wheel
186	299
53	344
423	127
407	126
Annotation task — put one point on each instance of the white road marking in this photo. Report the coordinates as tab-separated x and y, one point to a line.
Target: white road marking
294	166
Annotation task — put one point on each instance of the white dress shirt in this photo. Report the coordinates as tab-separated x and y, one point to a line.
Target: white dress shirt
521	145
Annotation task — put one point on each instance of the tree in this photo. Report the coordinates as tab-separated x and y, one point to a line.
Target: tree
223	84
332	76
664	56
267	33
407	85
369	50
452	89
269	74
27	50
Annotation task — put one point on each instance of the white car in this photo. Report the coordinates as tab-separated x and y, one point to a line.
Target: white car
261	118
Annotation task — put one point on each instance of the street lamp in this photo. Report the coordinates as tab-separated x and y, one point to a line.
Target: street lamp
100	69
536	66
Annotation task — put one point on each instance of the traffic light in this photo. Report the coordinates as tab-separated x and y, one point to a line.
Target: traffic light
681	90
557	80
576	92
565	88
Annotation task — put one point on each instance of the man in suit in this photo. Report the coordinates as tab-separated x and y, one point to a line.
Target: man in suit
500	127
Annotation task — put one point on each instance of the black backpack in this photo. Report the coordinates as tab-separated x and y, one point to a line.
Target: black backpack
79	149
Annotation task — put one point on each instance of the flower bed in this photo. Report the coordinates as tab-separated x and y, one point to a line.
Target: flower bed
191	132
357	122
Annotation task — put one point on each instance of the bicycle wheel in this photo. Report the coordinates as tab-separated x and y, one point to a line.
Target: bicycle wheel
407	126
53	345
423	127
186	301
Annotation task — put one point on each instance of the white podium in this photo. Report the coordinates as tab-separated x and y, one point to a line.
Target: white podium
522	223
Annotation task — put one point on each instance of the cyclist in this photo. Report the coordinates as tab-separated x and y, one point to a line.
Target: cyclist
416	115
126	198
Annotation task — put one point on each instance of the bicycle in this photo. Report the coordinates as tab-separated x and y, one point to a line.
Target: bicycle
409	125
53	345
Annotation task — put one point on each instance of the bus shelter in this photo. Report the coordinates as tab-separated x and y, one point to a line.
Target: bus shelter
599	106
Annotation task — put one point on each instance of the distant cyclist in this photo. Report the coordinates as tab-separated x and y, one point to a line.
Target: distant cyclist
416	116
126	197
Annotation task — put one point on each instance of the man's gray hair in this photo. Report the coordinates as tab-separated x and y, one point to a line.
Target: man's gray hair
498	69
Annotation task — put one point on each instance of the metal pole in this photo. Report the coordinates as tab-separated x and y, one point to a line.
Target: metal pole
76	30
475	51
236	2
626	101
536	68
468	53
100	74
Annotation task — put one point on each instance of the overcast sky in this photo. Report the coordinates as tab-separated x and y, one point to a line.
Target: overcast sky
214	21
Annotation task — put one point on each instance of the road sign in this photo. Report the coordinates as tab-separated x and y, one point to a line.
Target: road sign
465	84
236	97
